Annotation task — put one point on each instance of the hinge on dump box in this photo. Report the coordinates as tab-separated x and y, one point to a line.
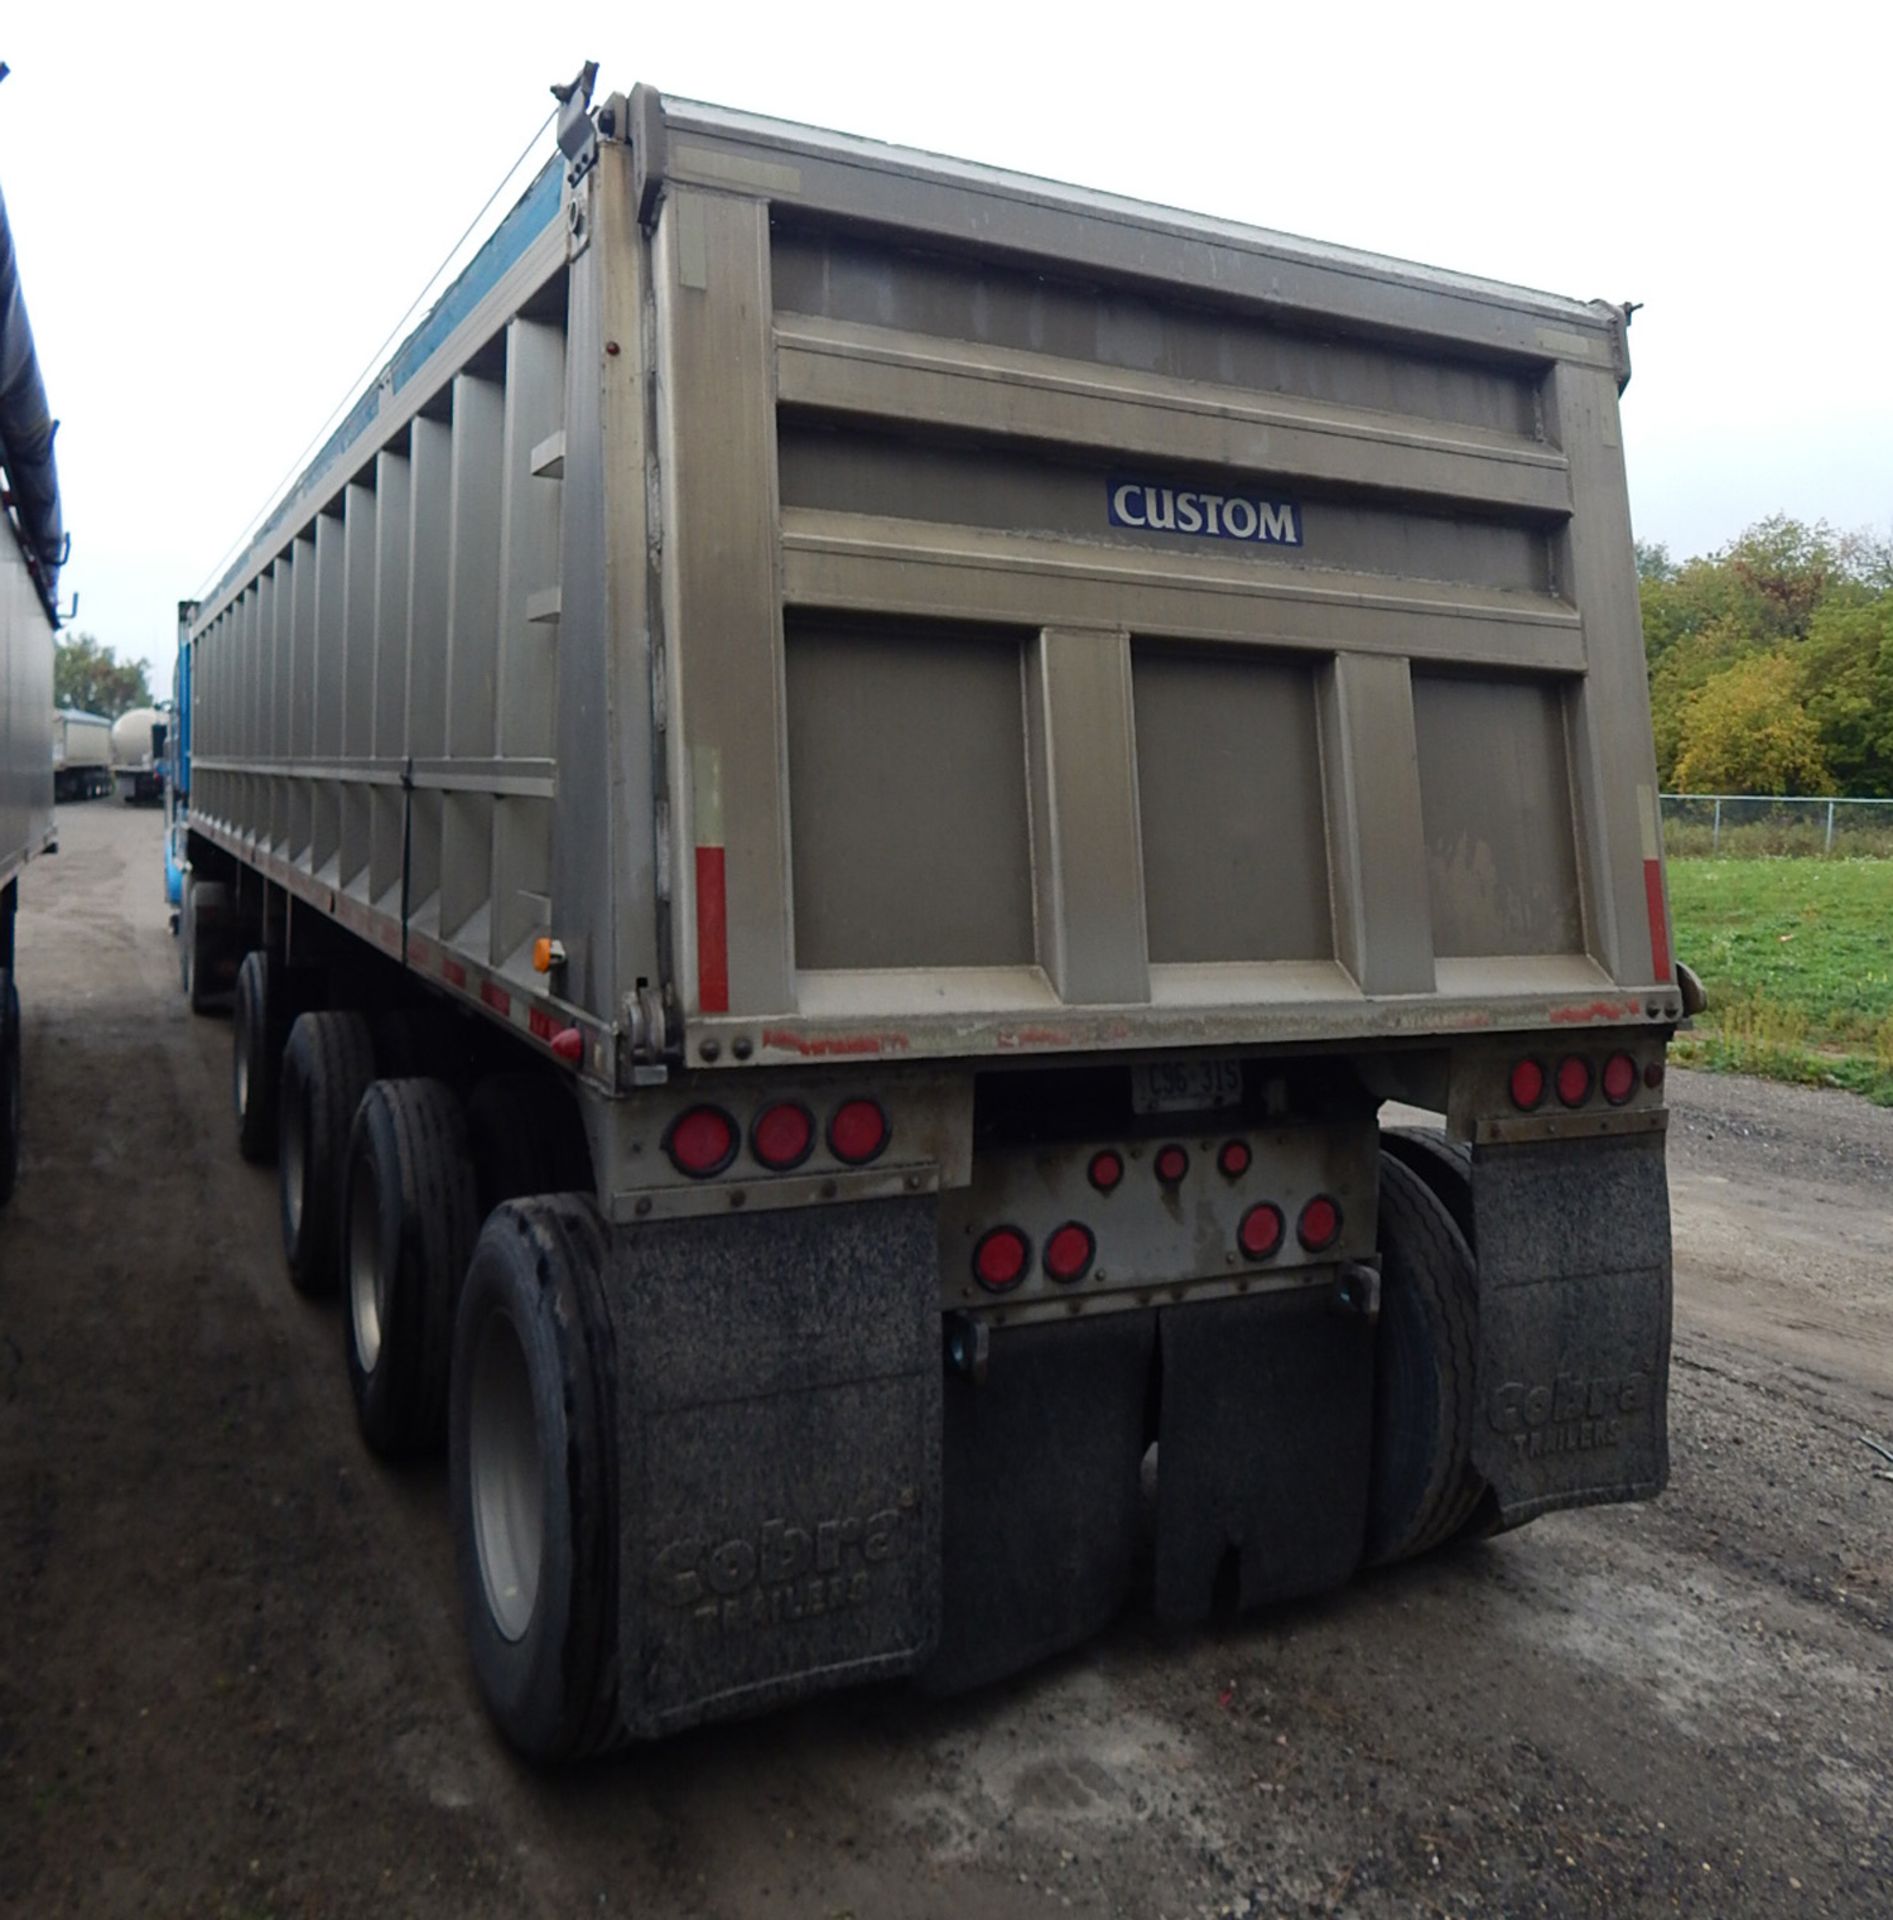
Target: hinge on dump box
645	1026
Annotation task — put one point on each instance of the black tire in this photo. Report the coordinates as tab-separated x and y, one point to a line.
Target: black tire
327	1066
1423	1487
527	1138
532	1434
1444	1165
409	1222
206	947
11	1046
259	1030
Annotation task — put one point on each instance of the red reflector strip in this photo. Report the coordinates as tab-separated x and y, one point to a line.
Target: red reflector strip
713	934
453	972
1659	920
496	997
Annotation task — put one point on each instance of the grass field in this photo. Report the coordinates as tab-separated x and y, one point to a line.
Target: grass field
1798	959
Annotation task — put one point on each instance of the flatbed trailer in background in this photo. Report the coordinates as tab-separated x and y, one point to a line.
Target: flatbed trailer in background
82	754
828	817
32	550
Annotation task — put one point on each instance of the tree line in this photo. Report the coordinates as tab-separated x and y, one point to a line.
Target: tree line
1771	662
92	678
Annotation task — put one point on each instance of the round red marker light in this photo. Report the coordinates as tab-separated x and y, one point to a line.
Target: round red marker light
1653	1075
857	1132
1620	1078
1106	1170
1260	1233
1233	1159
1574	1081
1528	1086
701	1142
1320	1224
783	1136
1172	1164
1068	1253
1000	1259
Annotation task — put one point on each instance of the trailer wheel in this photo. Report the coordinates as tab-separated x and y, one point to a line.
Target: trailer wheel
1445	1167
326	1068
527	1138
10	1048
1423	1487
203	948
408	1228
533	1450
257	1036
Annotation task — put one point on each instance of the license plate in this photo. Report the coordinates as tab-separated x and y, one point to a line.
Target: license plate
1186	1086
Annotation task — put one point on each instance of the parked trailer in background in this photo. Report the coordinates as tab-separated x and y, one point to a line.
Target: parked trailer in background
138	754
828	817
32	550
82	754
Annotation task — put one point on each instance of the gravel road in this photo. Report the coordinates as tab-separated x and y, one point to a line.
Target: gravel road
231	1681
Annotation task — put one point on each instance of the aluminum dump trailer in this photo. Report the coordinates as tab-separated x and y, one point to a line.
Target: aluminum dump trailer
82	754
32	550
138	754
828	818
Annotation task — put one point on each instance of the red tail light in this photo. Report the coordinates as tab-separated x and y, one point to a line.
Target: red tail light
1069	1252
701	1142
1172	1164
1320	1224
1233	1159
1528	1086
1260	1233
1000	1259
1106	1170
857	1132
1620	1078
1574	1081
783	1136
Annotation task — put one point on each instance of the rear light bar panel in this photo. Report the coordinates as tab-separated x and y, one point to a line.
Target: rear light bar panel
1155	1241
1588	1083
929	1141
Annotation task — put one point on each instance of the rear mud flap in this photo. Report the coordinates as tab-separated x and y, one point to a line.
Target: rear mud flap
1042	1494
1265	1445
1574	1323
779	1466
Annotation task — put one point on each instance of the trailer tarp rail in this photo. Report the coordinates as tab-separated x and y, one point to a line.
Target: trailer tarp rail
26	431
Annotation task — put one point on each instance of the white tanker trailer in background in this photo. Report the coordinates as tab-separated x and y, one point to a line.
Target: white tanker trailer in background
138	739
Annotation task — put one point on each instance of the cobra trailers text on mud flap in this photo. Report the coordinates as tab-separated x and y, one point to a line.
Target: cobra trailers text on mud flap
826	820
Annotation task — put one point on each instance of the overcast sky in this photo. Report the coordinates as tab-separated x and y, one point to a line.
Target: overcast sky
221	210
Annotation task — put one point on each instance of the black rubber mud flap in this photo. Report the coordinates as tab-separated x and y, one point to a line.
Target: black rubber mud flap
779	1436
1264	1452
1042	1462
1574	1323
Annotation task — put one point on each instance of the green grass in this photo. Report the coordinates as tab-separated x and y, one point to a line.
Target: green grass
1798	959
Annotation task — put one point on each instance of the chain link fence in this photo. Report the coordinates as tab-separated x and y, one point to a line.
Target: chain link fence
1703	824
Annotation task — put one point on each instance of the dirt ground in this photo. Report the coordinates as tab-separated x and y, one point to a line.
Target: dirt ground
231	1680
